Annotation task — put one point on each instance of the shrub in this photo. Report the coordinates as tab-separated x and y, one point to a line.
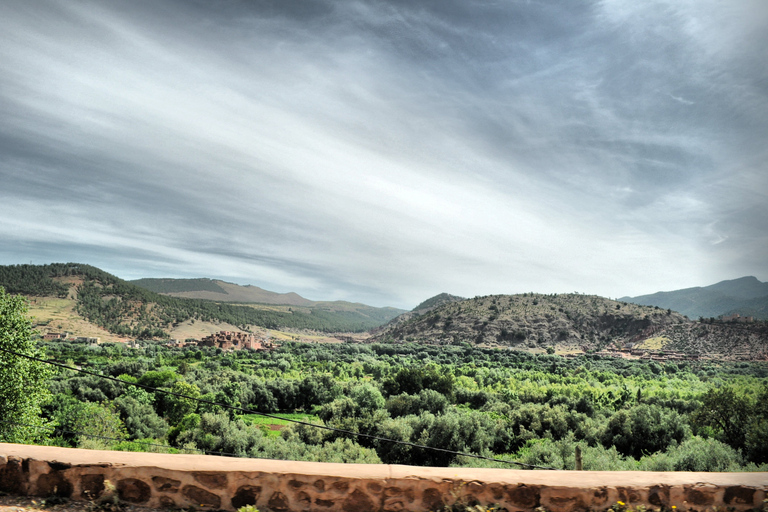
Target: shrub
699	454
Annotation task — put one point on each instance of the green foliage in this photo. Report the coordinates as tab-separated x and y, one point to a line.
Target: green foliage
22	381
728	412
88	421
140	418
698	454
127	309
177	407
33	280
157	379
505	404
179	285
644	429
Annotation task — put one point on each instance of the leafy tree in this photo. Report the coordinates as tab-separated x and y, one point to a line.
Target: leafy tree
22	381
644	429
728	412
140	418
87	421
177	407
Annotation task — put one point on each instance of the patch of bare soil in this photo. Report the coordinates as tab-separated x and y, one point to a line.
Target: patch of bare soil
197	329
58	315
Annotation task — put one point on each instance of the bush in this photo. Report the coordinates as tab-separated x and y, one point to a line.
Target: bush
699	454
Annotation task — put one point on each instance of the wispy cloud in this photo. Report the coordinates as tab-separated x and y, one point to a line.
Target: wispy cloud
387	151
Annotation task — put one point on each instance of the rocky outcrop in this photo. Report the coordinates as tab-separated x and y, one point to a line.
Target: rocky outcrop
208	482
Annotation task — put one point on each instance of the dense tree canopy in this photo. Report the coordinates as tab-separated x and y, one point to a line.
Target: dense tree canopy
22	381
625	415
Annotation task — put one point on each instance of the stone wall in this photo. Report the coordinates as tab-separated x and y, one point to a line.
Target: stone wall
202	481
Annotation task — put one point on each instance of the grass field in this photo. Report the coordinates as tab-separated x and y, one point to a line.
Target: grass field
272	426
656	343
256	419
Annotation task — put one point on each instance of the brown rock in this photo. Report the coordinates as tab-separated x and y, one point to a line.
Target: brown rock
296	484
323	503
600	497
659	495
278	502
628	495
393	505
358	501
393	491
133	490
319	485
163	484
91	486
700	495
246	495
201	497
341	486
304	499
54	484
374	487
12	477
59	466
566	500
432	499
212	480
167	502
739	495
525	496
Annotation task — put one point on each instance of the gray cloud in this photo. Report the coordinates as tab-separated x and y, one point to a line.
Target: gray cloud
386	151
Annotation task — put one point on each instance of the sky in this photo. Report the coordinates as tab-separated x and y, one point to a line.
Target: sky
386	151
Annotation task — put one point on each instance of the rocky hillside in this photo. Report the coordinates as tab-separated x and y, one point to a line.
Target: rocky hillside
424	307
534	320
728	340
584	322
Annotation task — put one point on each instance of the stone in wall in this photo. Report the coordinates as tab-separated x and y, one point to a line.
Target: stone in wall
246	495
12	475
91	486
204	498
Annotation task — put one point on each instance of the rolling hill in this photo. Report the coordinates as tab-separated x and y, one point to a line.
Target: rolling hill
574	322
124	309
211	289
746	296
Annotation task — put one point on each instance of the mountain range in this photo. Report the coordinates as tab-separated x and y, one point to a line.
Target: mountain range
746	296
126	309
86	296
214	289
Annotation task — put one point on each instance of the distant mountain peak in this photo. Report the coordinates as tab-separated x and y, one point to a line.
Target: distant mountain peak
746	295
437	300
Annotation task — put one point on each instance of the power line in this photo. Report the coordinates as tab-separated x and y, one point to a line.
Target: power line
64	431
267	415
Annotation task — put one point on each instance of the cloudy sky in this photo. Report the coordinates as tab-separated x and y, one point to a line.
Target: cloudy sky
386	151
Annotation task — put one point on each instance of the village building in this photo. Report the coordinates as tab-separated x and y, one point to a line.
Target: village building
738	318
55	336
231	340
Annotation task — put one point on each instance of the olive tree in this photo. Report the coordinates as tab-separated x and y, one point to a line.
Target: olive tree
22	381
